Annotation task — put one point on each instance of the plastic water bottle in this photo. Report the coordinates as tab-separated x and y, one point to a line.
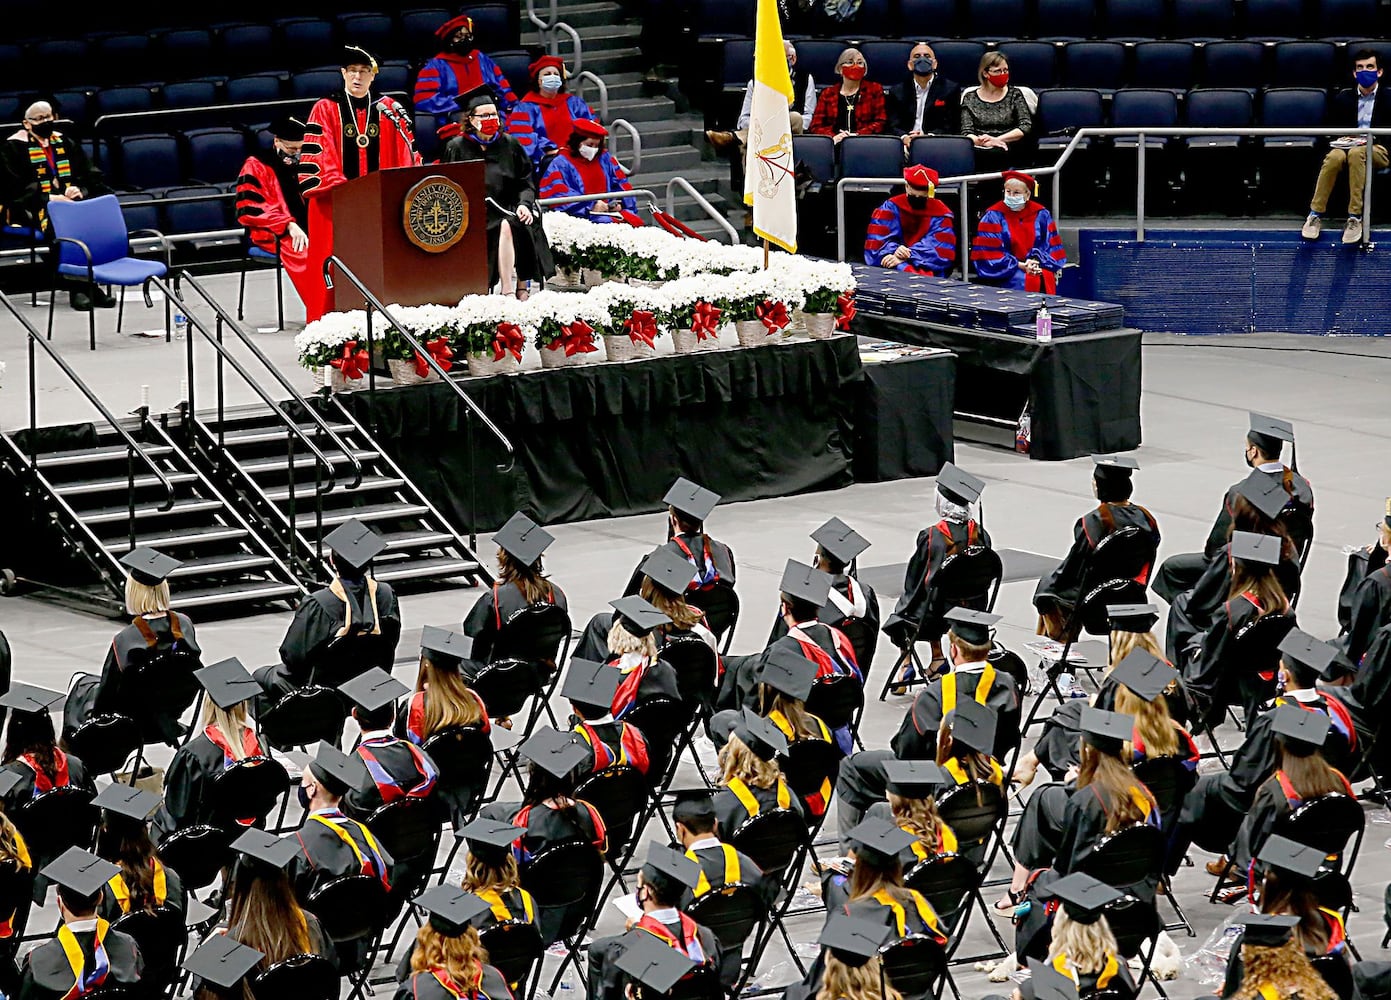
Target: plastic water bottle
567	987
1043	326
180	326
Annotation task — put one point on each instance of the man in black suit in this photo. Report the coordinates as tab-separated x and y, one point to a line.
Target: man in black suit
1365	105
926	103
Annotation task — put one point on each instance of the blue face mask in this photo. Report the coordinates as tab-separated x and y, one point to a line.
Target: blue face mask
1015	202
551	84
923	66
1366	77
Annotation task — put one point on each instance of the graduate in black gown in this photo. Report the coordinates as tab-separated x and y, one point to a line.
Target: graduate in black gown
1057	592
521	583
1077	942
1370	605
159	645
14	855
712	562
343	629
1273	963
396	768
491	873
851	606
449	961
848	967
590	688
665	575
751	782
911	805
86	953
872	887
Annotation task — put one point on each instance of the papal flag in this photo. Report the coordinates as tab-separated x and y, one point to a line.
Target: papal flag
769	182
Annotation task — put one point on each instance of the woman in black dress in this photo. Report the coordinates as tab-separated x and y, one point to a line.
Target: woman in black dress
517	250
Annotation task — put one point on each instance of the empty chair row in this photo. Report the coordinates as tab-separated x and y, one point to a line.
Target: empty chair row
161	160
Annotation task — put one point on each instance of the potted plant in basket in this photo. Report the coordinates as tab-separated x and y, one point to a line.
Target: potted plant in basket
632	322
567	326
760	304
828	288
493	330
433	328
334	349
694	313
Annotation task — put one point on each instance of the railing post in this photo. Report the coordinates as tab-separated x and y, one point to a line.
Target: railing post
192	391
1057	196
221	402
1140	189
1367	191
840	221
293	527
33	411
963	242
371	358
130	494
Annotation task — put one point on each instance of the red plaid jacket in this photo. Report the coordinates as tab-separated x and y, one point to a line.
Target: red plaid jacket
871	115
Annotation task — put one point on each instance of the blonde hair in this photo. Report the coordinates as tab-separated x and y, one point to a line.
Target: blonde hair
1087	946
622	641
142	599
738	761
1152	722
848	982
1124	643
449	701
1285	968
1114	782
462	957
918	817
230	722
989	61
683	615
847	55
479	875
10	839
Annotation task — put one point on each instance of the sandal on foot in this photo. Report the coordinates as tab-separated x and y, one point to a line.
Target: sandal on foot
1007	904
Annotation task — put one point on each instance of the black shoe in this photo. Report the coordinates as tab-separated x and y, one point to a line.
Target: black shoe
103	299
80	301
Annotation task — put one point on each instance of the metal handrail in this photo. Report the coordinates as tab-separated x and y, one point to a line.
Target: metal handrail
560	27
631	129
598	81
132	446
375	304
708	208
532	16
571	199
276	102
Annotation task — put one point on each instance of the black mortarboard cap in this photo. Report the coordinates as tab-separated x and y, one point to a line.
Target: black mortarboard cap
28	698
1144	673
288	128
1106	730
1302	730
691	803
1272	427
663	862
1047	983
691	499
878	842
590	683
338	771
472	100
8	781
81	871
669	570
128	801
149	566
227	682
973	725
523	539
652	962
555	752
1250	547
761	736
441	642
1118	464
1265	493
959	486
222	961
970	625
1266	930
356	55
805	583
451	909
489	838
1132	617
1290	856
267	848
1082	896
914	779
373	689
839	540
355	543
787	670
638	615
1321	657
854	940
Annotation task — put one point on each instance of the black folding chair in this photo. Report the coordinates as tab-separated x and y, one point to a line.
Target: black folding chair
506	685
352	909
1127	857
836	699
303	717
863	640
619	794
464	757
514	949
720	605
198	853
947	881
350	656
1133	922
1169	780
662	720
106	743
733	912
915	965
540	635
1337	973
161	937
776	840
697	677
976	813
55	820
564	879
299	977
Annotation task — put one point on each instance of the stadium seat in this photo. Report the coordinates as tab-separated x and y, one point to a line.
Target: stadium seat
818	57
1276	19
1305	64
1345	18
12	107
313	84
374	32
247	46
928	18
1205	19
395	78
1031	64
723	18
1138	108
513	63
209	211
1066	19
190	94
121	58
215	155
1135	19
124	100
427	144
871	156
1234	64
12	55
150	161
74	104
1164	65
875	17
61	61
887	59
818	152
494	26
1287	162
949	155
996	19
255	88
306	41
141	210
960	60
185	52
1218	108
1094	65
1216	167
737	65
417	29
1060	114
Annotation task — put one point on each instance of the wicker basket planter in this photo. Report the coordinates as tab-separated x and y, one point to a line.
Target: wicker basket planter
686	342
333	378
752	333
820	326
625	348
483	364
557	358
403	373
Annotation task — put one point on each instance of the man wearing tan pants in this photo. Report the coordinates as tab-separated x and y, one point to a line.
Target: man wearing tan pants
1369	107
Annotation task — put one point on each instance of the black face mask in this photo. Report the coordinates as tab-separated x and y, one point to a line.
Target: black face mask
917	201
44	130
463	46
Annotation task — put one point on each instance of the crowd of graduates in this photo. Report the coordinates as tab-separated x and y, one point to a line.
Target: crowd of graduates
283	850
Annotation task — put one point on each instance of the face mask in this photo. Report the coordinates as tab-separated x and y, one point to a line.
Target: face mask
551	84
43	130
998	77
463	46
589	152
1366	77
303	796
1016	201
488	127
923	66
917	200
290	159
852	72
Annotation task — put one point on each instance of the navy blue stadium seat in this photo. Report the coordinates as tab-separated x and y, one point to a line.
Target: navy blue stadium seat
1216	169
996	19
737	65
887	59
123	100
12	106
316	83
215	155
928	18
374	32
1167	65
1283	107
1288	161
1233	64
723	18
306	41
74	104
1343	69
1060	114
1137	108
1346	18
254	88
61	61
1218	108
1031	64
184	52
148	161
190	94
513	63
118	58
427	144
960	60
1305	64
818	152
417	28
199	209
395	78
1205	18
248	46
1094	65
140	210
494	26
1140	108
1135	19
1276	18
871	156
1066	19
818	57
12	55
875	17
949	155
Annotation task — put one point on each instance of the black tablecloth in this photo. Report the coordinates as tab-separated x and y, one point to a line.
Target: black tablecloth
608	440
1084	390
904	428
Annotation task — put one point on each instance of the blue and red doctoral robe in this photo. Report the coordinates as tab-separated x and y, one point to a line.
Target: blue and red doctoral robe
444	78
1005	239
569	175
926	231
542	123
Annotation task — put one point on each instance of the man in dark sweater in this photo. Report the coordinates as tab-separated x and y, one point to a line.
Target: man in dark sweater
926	102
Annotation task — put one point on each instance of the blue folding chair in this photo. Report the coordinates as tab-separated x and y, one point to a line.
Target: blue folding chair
93	244
255	255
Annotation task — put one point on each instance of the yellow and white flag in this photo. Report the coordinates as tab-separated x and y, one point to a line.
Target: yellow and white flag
769	182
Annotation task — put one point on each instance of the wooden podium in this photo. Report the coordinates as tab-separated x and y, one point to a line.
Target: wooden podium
371	216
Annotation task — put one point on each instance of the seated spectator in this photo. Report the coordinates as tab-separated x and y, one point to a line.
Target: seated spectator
41	164
270	206
455	71
1016	244
856	107
585	166
1366	106
543	119
995	115
802	105
913	231
926	103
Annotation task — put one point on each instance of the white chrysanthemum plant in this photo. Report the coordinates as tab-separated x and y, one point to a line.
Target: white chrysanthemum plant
326	338
567	322
493	326
431	325
766	296
631	311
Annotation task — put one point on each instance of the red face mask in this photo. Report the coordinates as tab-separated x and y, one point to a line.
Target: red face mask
998	77
853	73
488	127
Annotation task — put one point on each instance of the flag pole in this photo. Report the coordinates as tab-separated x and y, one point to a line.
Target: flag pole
765	253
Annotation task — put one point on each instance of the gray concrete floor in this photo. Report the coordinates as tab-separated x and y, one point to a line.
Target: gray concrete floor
1196	396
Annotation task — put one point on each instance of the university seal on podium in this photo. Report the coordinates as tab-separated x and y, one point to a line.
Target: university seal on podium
435	214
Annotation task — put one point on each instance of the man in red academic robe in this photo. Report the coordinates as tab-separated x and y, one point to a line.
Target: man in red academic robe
913	231
271	208
348	135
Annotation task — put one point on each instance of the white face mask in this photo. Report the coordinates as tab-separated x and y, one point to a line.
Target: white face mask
589	152
551	84
1015	201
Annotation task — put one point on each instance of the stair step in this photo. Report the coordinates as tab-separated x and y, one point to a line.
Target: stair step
368	512
613	61
586	15
663	135
82	456
304	490
668	161
398	541
277	463
110	515
270	433
639	110
415	569
231	562
237	592
84	487
186	536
